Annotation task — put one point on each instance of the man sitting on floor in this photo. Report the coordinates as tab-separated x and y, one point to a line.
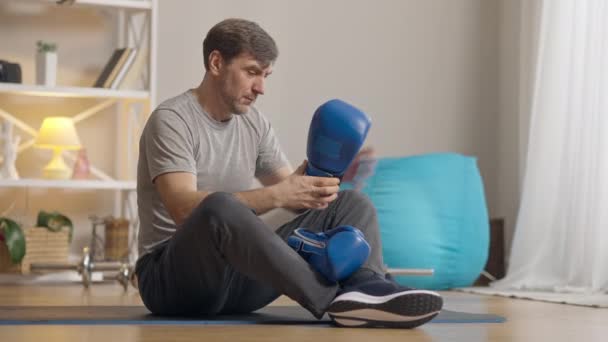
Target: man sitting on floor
203	249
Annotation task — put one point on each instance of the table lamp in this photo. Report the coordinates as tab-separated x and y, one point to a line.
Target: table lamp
58	134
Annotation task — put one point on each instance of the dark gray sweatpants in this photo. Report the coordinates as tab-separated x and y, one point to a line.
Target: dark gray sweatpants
224	259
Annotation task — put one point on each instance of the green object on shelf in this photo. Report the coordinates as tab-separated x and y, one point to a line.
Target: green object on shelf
13	238
43	46
55	221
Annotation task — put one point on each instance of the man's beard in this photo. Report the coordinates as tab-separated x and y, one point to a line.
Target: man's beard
233	102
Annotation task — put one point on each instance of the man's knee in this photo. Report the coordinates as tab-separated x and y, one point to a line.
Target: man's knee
218	205
218	201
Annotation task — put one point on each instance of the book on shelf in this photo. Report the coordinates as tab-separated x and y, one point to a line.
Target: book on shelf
135	72
107	70
117	68
123	68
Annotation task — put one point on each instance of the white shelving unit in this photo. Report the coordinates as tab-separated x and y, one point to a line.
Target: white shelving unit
136	26
69	184
77	92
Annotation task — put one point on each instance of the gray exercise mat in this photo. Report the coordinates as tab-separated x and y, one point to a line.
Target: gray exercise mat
139	315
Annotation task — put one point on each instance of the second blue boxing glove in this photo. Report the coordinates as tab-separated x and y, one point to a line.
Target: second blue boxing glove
336	253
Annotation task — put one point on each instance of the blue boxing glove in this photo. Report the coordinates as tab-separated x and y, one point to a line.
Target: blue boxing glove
336	253
337	132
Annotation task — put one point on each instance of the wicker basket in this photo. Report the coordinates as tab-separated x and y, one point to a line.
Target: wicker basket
116	239
41	246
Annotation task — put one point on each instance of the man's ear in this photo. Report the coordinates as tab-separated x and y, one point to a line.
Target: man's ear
216	62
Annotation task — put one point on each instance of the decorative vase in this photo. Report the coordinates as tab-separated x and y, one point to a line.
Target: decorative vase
82	167
46	68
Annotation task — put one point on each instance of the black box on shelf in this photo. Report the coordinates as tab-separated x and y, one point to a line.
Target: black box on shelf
10	72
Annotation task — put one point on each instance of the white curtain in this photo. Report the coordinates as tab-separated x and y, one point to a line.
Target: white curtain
561	235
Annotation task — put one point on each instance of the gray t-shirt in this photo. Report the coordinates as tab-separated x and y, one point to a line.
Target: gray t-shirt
226	156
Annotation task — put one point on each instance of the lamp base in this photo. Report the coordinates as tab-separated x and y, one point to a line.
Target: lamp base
56	174
56	168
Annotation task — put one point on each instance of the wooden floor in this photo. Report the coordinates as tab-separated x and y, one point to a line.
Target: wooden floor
527	321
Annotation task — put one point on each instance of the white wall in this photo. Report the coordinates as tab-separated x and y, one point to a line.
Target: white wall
424	70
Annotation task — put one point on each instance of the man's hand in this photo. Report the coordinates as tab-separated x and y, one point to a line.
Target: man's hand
299	191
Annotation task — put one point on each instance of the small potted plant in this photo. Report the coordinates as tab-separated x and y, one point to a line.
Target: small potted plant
46	63
12	236
54	222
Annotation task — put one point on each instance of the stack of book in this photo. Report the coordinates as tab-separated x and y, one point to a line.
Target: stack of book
122	69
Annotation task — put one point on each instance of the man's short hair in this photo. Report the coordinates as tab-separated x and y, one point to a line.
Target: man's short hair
231	37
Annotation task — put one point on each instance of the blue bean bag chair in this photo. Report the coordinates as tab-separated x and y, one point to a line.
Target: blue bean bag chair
432	214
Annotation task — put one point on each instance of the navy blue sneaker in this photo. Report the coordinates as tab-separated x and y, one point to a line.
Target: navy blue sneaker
382	303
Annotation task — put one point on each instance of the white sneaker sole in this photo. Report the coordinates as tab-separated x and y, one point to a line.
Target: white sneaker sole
406	309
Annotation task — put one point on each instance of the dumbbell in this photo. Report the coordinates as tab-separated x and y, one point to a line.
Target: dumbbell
87	266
